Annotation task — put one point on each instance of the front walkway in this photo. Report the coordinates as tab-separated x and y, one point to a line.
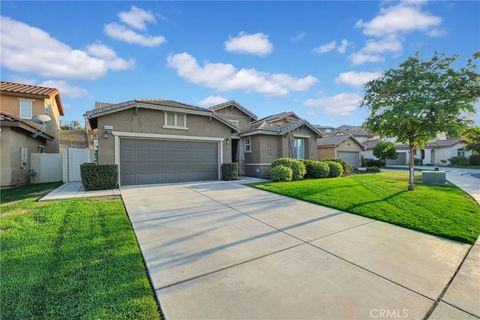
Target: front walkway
71	190
221	250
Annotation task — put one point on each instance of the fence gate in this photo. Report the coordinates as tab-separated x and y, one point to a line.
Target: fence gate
72	159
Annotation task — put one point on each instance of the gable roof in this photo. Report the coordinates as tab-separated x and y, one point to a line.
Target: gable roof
337	140
279	129
9	120
277	116
28	90
159	104
370	144
236	104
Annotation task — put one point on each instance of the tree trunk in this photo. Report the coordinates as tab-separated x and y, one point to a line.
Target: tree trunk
411	164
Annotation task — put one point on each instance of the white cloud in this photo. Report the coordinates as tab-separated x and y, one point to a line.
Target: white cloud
66	89
358	58
137	18
212	101
257	43
343	104
401	18
388	44
29	49
438	32
356	79
325	47
298	37
226	77
112	61
342	47
122	33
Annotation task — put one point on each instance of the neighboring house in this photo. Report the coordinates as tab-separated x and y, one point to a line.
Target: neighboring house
20	135
358	132
27	101
326	131
156	141
442	150
73	139
345	147
402	150
436	152
18	139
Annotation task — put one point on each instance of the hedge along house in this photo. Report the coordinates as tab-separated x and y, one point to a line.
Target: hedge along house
276	136
158	141
344	146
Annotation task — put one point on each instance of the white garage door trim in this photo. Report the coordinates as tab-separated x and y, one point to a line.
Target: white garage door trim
157	136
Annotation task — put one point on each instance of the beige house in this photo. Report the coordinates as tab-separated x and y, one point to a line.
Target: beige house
344	146
156	141
20	135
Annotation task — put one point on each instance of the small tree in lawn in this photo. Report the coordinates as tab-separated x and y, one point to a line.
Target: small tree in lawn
419	99
472	136
385	150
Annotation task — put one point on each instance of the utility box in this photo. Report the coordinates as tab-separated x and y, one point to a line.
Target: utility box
434	177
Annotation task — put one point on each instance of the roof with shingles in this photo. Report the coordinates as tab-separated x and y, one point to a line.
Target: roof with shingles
279	129
236	104
276	116
24	124
110	108
12	88
336	140
443	143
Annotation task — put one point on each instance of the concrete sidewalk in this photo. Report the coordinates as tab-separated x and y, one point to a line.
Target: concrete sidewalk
70	190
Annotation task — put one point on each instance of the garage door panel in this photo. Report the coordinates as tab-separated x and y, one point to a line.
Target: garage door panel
350	157
160	161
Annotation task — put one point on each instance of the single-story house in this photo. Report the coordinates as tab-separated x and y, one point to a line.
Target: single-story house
157	141
442	150
19	138
436	152
345	147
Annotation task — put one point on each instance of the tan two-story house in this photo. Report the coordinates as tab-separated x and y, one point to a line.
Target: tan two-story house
21	132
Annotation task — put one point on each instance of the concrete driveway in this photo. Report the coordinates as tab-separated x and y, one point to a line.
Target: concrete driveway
219	250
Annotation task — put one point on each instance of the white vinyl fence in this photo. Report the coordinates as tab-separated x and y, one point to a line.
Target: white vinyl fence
47	167
72	159
51	167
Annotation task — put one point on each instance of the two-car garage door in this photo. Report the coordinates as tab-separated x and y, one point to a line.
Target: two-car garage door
158	161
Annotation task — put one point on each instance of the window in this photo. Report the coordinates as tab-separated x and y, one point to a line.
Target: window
461	152
175	120
26	109
299	149
248	145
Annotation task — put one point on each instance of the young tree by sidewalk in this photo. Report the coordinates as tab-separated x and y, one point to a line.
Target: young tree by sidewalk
421	98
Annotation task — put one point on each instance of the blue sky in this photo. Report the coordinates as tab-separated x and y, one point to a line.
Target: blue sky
308	57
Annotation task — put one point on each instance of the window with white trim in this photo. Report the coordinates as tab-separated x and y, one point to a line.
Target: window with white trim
248	145
175	120
26	109
461	152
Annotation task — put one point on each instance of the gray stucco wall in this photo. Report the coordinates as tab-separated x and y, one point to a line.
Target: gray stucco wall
151	121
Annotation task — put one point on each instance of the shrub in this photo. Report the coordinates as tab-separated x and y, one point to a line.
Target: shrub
374	163
99	177
316	169
373	169
458	161
342	162
281	174
230	171
335	169
475	159
298	168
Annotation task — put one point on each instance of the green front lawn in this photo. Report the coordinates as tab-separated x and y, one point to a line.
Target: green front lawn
444	211
70	259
